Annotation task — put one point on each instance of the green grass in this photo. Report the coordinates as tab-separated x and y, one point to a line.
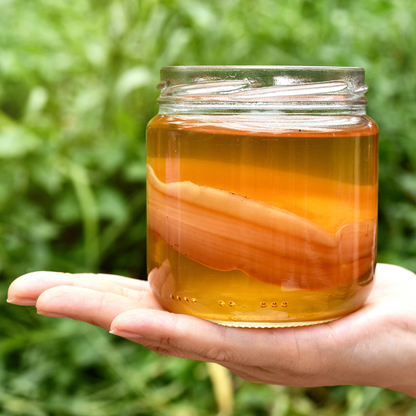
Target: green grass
77	88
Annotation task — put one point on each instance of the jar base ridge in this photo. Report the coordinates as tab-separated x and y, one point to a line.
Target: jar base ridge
271	324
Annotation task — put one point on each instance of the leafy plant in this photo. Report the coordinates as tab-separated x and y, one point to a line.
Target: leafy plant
76	92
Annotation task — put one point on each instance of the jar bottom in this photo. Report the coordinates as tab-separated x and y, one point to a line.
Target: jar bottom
271	324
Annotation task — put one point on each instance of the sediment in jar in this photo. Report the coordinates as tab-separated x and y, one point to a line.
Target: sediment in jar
186	286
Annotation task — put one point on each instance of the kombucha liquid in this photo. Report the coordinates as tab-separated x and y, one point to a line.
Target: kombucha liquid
317	187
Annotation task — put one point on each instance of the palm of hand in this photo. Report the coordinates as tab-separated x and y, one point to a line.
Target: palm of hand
373	346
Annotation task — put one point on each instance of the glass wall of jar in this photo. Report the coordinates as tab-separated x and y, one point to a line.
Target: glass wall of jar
262	194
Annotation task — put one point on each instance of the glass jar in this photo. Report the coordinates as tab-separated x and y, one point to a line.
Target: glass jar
262	194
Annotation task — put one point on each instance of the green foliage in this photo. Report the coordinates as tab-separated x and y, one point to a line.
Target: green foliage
76	92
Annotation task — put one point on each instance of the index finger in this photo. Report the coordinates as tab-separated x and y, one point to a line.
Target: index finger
27	288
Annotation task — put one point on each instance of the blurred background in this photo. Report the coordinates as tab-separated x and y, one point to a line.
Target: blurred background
77	88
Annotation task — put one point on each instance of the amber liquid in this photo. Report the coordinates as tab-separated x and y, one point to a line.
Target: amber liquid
322	180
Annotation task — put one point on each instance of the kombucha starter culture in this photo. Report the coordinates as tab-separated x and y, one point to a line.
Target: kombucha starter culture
262	194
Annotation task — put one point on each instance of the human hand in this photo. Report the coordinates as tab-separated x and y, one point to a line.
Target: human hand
374	346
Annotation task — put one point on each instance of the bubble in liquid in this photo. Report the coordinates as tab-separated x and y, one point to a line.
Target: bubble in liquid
231	303
172	297
284	304
263	304
178	298
186	299
274	305
194	300
221	303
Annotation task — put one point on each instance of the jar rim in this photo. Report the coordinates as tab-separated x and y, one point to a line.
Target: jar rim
271	67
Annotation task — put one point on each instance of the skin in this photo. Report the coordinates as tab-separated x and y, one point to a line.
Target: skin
374	346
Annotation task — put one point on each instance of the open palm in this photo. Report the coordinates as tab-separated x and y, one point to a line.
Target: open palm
374	346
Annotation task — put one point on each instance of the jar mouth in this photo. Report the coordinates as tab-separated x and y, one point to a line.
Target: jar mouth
299	89
261	67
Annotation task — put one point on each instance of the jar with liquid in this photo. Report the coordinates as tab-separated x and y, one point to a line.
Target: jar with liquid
262	194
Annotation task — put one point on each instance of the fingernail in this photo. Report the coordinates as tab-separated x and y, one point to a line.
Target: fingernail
52	315
22	301
125	334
